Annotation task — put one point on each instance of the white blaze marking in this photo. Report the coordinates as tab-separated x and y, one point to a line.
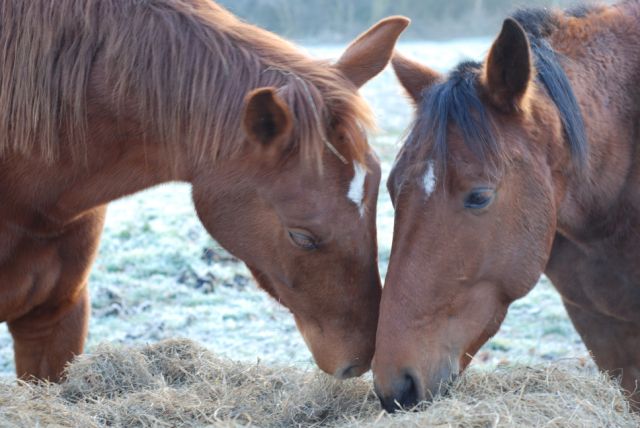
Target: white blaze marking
429	179
356	188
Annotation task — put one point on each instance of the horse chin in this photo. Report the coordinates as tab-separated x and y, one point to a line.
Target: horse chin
309	342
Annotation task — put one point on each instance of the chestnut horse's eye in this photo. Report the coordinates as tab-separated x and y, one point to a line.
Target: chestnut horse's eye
303	240
479	198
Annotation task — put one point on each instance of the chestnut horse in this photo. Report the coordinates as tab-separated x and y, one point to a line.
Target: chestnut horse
525	164
103	99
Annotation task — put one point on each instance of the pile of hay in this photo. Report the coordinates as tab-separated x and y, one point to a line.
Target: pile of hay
179	383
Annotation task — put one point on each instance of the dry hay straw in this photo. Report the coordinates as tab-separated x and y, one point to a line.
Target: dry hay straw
179	383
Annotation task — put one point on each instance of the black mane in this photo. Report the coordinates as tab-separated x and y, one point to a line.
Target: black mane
457	99
538	24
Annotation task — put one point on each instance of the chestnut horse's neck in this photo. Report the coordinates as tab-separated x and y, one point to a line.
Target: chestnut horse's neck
601	57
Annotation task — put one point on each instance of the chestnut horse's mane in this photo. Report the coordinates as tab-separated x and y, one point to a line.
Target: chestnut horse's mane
457	100
182	66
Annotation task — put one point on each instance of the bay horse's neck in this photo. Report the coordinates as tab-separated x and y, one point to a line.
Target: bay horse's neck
603	65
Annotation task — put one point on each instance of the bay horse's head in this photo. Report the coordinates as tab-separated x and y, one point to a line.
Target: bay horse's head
298	204
475	201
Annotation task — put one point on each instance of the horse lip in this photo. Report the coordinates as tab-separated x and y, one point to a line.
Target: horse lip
442	386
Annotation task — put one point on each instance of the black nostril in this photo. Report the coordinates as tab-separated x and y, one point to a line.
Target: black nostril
409	395
404	396
388	403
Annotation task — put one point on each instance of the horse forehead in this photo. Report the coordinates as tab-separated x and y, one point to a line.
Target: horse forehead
357	186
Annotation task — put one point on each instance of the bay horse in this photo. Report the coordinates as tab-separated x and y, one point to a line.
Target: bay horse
102	99
526	163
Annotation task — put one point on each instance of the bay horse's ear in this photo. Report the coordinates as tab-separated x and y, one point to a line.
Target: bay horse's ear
267	119
508	69
370	53
413	77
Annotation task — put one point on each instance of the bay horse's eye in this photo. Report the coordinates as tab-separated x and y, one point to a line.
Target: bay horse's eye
479	198
302	240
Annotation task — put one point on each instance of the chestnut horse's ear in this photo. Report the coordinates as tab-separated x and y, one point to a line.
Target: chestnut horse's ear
370	53
267	119
414	77
508	69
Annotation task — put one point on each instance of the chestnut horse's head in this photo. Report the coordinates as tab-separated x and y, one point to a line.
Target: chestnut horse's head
475	200
298	204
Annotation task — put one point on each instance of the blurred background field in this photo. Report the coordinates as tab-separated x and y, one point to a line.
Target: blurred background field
340	20
159	275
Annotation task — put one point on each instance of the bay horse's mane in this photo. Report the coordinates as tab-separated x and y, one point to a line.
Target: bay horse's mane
183	66
457	100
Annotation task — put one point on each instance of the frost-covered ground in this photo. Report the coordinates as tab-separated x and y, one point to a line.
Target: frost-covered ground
159	275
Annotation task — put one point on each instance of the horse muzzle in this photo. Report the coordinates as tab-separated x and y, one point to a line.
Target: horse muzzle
404	390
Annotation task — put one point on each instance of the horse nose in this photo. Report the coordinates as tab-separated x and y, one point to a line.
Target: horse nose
404	393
